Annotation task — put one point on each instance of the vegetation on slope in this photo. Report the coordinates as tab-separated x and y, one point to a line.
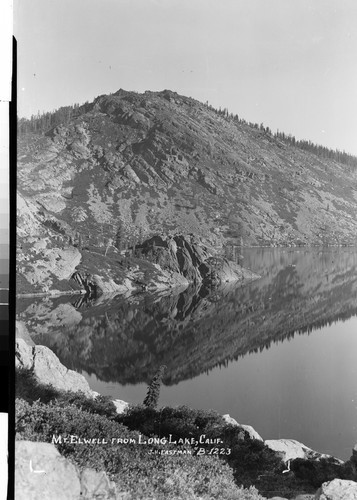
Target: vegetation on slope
135	469
127	166
194	453
43	122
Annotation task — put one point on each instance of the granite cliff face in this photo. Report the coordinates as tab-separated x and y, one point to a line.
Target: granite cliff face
131	166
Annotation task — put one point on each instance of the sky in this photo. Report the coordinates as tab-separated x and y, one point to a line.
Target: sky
289	64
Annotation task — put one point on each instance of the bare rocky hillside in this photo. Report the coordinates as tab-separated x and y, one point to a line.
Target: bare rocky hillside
130	166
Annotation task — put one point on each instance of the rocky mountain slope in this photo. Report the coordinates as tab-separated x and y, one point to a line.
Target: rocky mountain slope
130	166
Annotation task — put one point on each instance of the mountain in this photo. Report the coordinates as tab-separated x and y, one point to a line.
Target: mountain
130	166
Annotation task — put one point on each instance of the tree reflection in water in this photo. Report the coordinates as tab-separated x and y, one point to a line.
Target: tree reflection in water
192	331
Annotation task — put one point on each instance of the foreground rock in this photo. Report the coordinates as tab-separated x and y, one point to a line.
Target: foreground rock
287	449
23	333
290	449
89	484
42	473
48	369
252	433
120	405
338	489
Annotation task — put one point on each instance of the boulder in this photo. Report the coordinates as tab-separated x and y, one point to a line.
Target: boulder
338	489
41	472
96	485
120	405
253	434
48	369
289	449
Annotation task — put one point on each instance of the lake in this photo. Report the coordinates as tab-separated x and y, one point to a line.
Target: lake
278	353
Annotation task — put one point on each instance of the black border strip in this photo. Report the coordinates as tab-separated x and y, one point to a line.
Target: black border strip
12	273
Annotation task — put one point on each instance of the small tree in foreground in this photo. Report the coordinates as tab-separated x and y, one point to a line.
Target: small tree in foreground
152	397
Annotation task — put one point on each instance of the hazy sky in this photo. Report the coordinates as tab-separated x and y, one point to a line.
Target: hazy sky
291	64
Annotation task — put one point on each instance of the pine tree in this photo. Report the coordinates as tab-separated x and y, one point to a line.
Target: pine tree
152	397
119	237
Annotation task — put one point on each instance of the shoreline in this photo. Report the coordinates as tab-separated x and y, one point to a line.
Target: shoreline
287	447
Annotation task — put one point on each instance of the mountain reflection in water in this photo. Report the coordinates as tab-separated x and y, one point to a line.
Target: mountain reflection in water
304	390
191	332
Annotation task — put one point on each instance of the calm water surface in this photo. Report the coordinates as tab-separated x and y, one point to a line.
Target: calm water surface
278	353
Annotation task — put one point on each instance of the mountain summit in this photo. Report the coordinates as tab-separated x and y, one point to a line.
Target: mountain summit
128	166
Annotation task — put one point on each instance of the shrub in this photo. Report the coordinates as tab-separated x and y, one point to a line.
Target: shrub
252	462
101	405
28	388
318	472
145	475
170	476
180	422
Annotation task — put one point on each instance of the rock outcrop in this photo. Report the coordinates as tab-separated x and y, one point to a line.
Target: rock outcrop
129	166
338	489
184	256
202	328
120	405
23	333
289	449
42	473
252	433
48	369
96	485
163	262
